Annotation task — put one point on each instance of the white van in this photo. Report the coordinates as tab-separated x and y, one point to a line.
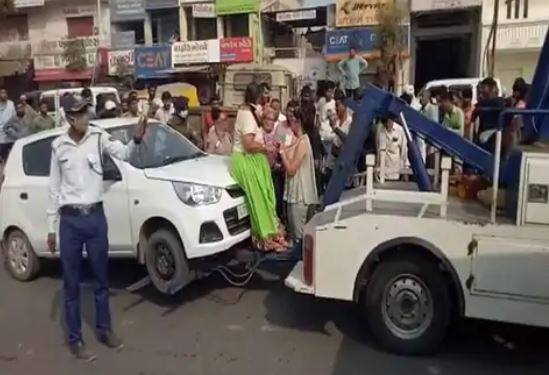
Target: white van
169	207
52	97
466	86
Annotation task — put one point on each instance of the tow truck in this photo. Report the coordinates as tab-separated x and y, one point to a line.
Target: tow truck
415	258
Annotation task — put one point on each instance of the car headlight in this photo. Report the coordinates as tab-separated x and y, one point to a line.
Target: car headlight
196	194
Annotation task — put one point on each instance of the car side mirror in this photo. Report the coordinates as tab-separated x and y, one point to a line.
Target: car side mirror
111	171
112	174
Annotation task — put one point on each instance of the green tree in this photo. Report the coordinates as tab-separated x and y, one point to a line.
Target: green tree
391	39
74	53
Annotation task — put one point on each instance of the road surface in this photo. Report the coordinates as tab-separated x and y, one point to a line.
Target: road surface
211	328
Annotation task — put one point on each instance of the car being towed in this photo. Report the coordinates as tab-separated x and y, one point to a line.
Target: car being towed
169	205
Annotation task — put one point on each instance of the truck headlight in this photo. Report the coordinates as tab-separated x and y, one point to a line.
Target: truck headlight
196	194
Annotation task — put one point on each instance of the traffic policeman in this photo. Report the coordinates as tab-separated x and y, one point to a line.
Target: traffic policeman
75	206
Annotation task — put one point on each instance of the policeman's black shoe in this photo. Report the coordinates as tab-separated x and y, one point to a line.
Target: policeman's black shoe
111	340
79	350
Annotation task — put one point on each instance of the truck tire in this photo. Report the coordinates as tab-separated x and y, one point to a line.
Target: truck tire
20	258
407	305
166	262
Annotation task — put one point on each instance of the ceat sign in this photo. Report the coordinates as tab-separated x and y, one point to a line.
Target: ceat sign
152	61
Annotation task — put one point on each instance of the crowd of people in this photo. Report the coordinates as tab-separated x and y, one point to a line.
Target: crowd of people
283	158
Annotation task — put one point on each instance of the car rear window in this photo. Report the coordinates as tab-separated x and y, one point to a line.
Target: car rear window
37	158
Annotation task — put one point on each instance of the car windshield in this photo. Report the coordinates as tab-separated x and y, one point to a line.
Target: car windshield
161	146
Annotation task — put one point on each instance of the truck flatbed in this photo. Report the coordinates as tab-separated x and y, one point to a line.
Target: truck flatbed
459	210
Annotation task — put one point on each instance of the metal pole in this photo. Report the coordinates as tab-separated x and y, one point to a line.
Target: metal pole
495	180
100	35
99	21
491	67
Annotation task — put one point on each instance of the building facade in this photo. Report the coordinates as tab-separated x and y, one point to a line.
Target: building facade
522	25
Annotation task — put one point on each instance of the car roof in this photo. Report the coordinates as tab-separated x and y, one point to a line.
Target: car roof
102	123
95	90
456	81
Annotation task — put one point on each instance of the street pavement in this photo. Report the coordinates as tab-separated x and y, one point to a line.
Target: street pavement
212	328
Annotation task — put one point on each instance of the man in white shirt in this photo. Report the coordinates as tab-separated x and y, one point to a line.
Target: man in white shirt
75	203
392	149
324	107
7	122
164	113
340	122
149	106
277	108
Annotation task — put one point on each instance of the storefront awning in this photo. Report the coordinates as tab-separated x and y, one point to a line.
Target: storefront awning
50	75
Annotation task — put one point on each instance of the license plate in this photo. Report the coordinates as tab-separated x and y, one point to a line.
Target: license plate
242	211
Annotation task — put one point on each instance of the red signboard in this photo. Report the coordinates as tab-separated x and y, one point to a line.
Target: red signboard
237	49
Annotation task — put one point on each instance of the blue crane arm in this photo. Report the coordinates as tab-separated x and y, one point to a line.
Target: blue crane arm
378	103
537	127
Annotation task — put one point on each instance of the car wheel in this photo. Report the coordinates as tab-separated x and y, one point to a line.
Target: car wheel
407	305
166	262
21	261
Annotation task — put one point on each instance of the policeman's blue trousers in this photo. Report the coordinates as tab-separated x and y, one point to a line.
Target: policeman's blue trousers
75	232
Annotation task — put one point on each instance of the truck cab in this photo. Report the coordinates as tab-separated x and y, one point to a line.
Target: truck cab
238	76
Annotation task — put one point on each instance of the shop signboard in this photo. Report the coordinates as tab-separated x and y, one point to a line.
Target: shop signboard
42	62
53	47
79	10
127	10
28	3
161	4
204	10
151	62
428	5
237	6
363	40
120	57
298	15
123	39
237	50
195	52
351	13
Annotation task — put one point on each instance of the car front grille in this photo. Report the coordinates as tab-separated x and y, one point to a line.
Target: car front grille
235	191
234	225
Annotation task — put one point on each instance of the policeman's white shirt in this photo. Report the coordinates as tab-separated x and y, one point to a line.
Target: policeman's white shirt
76	173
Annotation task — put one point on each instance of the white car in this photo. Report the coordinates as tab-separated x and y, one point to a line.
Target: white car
170	205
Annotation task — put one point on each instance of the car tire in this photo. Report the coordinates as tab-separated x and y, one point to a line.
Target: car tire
407	305
166	262
21	260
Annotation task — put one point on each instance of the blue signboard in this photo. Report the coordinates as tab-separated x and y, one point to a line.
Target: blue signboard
153	62
338	42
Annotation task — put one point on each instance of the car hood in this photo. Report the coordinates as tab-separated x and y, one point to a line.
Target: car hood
207	170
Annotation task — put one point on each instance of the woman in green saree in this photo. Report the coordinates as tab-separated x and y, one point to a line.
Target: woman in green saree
250	168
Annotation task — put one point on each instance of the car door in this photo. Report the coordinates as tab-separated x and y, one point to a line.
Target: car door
32	193
115	201
116	175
